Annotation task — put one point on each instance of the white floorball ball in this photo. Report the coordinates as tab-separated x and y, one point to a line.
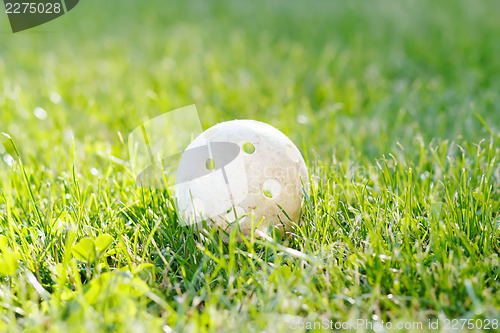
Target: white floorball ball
239	171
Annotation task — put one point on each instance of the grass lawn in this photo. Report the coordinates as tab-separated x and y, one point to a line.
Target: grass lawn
394	105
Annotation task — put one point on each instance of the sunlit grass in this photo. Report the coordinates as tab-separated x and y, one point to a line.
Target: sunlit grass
394	106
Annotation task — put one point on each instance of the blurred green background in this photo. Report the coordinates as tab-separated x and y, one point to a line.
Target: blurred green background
333	75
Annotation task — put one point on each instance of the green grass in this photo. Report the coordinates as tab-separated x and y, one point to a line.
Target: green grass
394	105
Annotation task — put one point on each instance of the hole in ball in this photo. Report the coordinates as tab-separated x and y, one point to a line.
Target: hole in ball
210	164
248	148
271	188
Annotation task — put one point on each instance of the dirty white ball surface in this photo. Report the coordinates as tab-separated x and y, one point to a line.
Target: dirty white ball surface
237	169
